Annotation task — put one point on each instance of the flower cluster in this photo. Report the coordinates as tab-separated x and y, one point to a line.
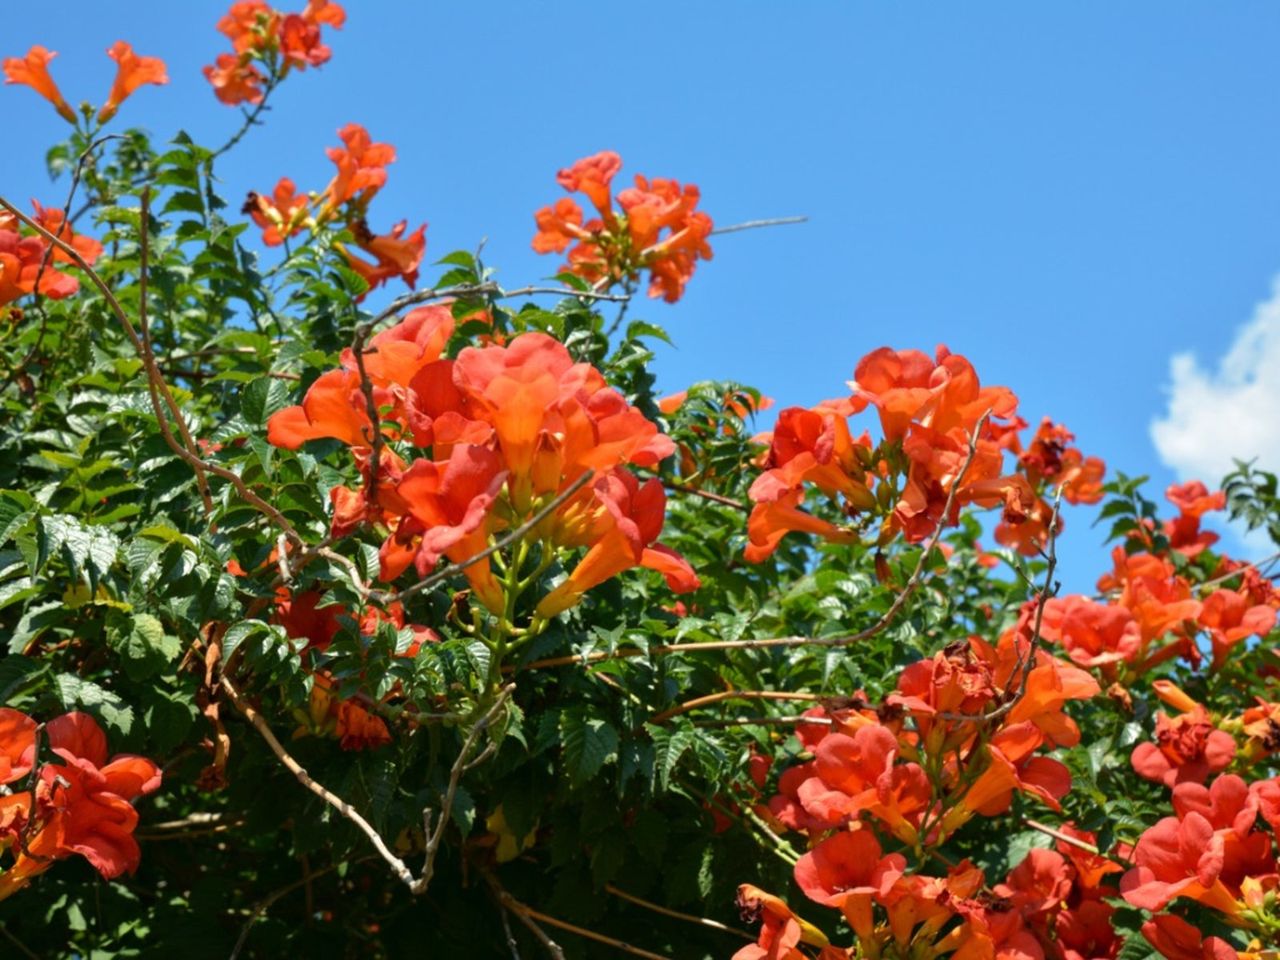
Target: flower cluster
79	803
132	71
1150	610
1053	904
266	44
361	172
958	737
490	438
1219	850
655	227
28	261
930	411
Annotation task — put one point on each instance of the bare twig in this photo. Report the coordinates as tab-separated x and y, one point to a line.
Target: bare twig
371	408
196	825
76	175
397	865
158	390
526	911
510	904
1062	837
765	721
22	947
668	912
250	120
416	885
1255	565
514	947
434	839
503	542
756	224
706	495
723	695
265	904
489	289
1020	676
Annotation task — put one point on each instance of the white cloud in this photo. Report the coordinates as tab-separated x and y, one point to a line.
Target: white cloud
1232	412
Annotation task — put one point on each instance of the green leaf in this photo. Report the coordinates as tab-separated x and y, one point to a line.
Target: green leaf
17	671
670	745
587	745
145	646
261	398
238	633
16	508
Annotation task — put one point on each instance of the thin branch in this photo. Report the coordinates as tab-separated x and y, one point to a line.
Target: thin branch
499	544
250	121
706	495
371	409
510	904
397	865
523	909
26	951
765	721
668	912
756	224
48	253
198	818
514	947
723	695
1020	676
434	839
265	904
1255	565
488	289
416	885
1062	837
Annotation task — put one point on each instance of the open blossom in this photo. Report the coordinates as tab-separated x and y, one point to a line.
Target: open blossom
32	70
27	265
1093	634
1188	746
655	227
300	44
1178	940
362	168
848	870
132	71
1150	588
54	220
82	804
1193	501
781	930
249	25
281	214
395	255
1230	619
1210	851
235	81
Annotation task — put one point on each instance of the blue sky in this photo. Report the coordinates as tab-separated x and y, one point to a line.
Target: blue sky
1069	194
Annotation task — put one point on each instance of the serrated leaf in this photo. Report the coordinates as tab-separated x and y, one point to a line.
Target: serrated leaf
669	747
587	744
